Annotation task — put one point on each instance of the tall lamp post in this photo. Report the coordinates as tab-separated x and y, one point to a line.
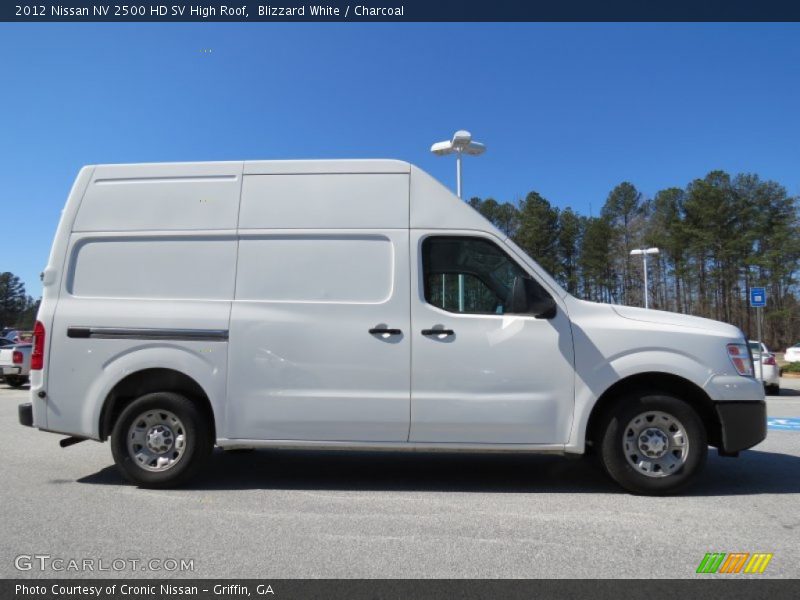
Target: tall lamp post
644	252
461	144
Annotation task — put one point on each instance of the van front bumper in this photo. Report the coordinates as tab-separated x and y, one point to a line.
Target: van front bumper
743	423
26	414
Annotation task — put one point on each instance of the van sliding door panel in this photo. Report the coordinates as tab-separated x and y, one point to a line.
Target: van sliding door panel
303	364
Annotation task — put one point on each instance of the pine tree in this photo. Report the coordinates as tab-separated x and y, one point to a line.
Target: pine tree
12	299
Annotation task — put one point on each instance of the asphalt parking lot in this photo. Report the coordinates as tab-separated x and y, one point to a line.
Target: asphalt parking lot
304	514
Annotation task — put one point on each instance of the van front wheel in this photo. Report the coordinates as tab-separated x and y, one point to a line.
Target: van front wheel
653	444
160	440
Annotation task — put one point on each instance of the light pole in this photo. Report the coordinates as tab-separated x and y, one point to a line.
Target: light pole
460	144
644	252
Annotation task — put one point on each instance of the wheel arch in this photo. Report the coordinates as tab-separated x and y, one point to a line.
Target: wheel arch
655	381
150	380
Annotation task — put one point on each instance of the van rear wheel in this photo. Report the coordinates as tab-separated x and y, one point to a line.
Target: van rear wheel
160	440
653	443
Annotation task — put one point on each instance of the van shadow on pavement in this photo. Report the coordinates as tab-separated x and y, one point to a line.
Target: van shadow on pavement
789	392
754	472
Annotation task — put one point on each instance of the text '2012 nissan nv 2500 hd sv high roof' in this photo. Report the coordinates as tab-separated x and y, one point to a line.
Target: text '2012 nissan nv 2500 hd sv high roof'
354	304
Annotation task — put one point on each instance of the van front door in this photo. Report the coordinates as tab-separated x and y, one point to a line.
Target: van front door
320	337
480	374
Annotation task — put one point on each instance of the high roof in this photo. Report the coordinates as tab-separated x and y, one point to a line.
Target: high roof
275	167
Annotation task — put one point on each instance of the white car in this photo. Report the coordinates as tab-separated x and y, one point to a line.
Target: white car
354	304
766	367
792	354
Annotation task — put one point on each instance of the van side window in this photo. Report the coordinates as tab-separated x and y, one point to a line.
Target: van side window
486	274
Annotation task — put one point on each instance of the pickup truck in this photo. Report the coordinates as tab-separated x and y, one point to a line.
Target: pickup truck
15	364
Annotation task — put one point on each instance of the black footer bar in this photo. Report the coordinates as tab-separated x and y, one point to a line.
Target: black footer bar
712	588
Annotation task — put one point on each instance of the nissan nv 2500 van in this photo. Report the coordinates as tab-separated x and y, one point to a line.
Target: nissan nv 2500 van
354	304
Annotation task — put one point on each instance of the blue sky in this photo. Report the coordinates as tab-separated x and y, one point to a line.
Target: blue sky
569	110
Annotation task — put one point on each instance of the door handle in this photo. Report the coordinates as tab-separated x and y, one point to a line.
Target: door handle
438	332
385	331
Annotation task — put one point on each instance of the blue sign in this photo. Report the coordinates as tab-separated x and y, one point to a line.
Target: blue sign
758	297
783	424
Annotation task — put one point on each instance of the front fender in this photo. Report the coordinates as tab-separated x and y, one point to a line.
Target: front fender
592	381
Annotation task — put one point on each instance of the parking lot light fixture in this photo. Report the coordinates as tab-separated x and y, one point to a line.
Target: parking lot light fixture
644	252
462	143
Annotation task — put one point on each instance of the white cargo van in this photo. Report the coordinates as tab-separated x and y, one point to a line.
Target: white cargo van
354	304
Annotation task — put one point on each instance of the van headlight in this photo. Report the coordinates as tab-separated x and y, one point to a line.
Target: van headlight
741	358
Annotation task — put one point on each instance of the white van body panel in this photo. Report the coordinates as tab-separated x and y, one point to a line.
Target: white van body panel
260	281
52	276
325	201
157	265
189	196
204	362
433	206
77	388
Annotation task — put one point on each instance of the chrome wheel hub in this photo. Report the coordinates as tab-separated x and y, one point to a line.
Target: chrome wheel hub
156	440
159	439
655	443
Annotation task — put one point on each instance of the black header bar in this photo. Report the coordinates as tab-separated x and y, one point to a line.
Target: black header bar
277	11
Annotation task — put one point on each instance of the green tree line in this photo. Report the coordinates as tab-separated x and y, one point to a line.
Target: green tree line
17	309
718	236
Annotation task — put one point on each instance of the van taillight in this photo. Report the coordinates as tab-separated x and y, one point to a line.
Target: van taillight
37	356
770	360
16	357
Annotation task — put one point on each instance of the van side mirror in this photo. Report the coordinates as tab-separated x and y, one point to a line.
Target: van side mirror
528	297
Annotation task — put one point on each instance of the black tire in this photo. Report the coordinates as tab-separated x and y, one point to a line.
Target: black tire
194	427
16	381
774	390
614	432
